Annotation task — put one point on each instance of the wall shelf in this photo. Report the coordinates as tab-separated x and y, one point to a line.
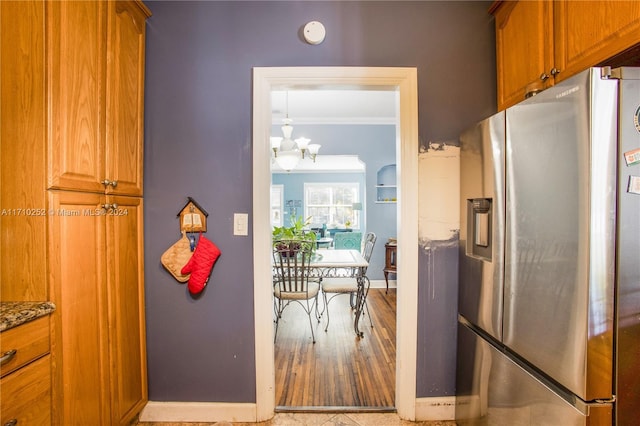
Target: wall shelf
386	189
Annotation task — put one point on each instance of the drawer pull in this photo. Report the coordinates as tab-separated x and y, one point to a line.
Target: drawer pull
6	357
12	422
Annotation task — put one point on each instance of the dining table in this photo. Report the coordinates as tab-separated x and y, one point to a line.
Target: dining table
330	263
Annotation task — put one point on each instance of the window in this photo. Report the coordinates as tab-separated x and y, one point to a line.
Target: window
276	204
332	204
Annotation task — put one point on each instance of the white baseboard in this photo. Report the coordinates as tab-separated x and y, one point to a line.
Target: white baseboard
383	284
436	408
206	412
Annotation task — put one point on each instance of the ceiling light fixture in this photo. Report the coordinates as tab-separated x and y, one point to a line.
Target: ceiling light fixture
287	152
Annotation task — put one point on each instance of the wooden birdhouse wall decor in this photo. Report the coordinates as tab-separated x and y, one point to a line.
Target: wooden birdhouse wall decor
193	218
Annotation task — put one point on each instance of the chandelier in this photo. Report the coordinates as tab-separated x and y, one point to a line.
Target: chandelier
287	152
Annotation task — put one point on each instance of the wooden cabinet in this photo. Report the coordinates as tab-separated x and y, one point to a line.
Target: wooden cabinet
97	282
125	97
524	48
78	267
390	261
96	235
22	152
72	109
540	42
125	295
96	51
24	343
76	50
589	33
26	395
25	386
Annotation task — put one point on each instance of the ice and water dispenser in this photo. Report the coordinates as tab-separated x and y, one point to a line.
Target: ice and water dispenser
479	219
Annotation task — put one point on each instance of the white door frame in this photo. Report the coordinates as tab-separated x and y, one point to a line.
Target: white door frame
404	82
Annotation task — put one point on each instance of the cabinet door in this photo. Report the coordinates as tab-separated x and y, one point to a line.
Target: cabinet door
125	97
26	395
22	151
524	49
589	32
79	328
126	308
76	46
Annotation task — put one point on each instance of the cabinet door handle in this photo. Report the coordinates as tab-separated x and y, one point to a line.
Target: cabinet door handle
108	182
554	71
544	76
108	206
8	356
12	422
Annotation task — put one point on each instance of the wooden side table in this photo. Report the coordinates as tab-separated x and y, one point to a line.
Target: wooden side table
389	261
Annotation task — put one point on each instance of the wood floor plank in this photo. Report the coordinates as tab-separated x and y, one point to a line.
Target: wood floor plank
340	369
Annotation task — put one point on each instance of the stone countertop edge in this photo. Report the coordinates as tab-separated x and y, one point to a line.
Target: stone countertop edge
13	314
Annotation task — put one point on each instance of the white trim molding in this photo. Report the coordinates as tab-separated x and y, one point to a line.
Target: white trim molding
383	284
436	408
206	412
402	81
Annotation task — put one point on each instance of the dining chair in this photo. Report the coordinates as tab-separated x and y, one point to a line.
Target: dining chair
347	240
349	285
292	280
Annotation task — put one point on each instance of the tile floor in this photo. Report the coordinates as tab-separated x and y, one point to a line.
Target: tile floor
322	419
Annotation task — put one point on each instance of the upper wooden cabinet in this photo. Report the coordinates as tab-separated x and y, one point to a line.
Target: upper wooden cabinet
125	97
524	48
588	33
540	42
23	129
96	56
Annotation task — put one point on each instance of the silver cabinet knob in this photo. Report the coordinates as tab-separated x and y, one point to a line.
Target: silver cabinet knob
554	71
108	182
108	206
544	76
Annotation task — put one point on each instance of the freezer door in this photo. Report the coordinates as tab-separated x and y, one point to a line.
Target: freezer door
481	256
493	390
560	232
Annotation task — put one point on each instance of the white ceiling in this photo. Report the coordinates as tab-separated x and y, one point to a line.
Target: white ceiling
339	106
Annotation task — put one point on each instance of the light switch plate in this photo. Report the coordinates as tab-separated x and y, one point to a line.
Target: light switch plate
241	224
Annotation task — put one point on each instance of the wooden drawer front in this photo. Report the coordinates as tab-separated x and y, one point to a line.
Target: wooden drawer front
30	340
26	395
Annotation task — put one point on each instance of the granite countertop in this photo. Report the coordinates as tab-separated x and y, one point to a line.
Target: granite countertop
13	314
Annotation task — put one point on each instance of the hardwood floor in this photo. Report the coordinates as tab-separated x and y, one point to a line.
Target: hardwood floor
339	370
338	373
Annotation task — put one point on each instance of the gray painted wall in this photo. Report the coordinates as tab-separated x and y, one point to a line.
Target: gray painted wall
200	57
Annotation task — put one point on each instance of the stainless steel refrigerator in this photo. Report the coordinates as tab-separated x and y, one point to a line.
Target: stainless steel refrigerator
549	266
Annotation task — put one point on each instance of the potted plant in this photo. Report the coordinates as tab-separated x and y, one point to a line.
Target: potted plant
295	232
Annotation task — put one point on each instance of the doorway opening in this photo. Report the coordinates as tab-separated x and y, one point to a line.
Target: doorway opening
404	82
